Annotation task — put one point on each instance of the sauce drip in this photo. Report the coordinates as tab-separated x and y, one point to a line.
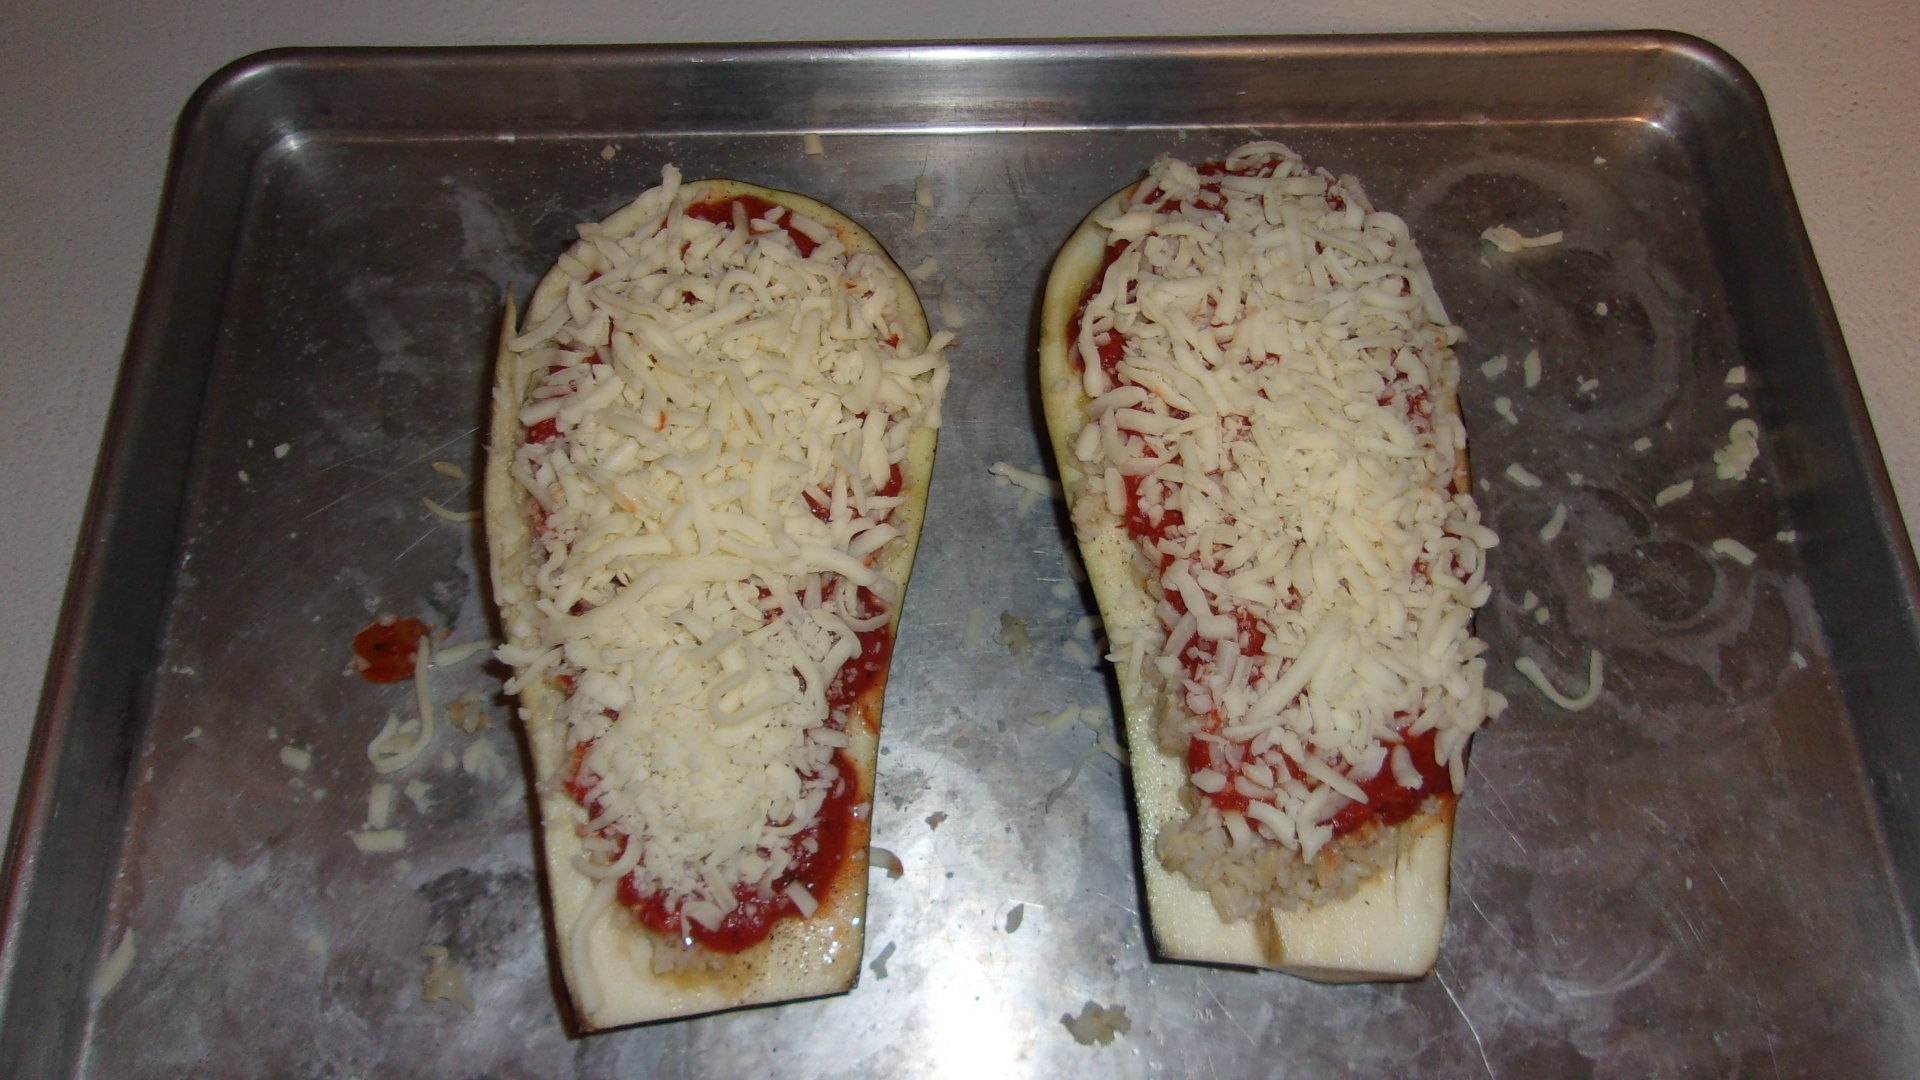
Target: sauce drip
384	651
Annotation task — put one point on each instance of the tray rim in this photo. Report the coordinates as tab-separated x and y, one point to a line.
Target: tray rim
213	116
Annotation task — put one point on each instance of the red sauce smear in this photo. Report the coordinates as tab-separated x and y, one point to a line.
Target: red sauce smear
720	212
1387	802
384	651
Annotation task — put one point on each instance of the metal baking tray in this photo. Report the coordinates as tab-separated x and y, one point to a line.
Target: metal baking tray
1713	871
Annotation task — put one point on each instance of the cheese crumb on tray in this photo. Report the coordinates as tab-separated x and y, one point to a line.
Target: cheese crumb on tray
444	980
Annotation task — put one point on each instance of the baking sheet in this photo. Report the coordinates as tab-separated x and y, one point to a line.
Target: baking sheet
1700	875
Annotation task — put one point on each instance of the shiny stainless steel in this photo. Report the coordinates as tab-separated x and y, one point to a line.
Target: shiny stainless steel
1713	872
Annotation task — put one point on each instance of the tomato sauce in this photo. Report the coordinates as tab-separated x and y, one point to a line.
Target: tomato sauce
814	867
720	212
866	670
384	651
1148	524
818	851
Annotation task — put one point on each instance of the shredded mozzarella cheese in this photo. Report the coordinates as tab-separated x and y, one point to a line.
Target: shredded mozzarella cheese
1527	667
1272	417
714	421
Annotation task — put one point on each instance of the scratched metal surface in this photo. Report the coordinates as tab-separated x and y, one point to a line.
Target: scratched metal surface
1697	876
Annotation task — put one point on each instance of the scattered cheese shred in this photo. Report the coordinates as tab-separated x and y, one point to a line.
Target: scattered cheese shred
923	192
1527	667
1530	369
1009	473
481	760
1495	367
439	511
379	841
294	757
1056	723
1510	240
927	268
1504	406
444	980
399	744
812	145
1599	582
1732	461
449	469
113	968
884	859
1523	476
449	655
1737	375
468	713
1073	774
1555	522
419	793
1735	550
379	806
1673	492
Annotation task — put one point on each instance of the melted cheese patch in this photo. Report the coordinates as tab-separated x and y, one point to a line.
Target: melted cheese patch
712	419
1282	417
